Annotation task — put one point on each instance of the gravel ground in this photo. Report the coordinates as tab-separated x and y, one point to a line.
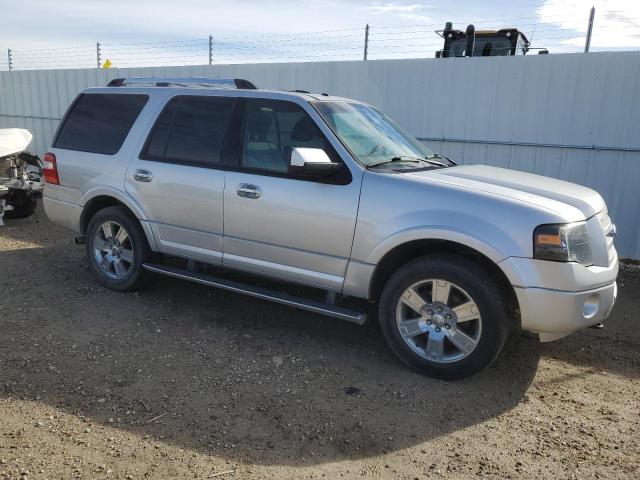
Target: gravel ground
182	381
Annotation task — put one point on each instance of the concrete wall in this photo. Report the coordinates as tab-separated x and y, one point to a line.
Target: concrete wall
571	116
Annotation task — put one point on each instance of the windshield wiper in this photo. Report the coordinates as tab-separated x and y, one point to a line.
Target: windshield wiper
437	155
396	159
430	159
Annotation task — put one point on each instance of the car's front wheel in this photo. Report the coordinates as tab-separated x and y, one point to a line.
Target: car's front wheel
444	316
117	248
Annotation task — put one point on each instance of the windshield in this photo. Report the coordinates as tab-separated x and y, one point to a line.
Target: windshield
484	46
369	134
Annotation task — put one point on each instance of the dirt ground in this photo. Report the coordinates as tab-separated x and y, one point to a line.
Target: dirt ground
182	381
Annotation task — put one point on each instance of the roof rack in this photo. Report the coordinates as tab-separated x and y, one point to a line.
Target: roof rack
237	83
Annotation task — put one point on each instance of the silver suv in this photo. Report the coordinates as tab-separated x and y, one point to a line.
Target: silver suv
194	178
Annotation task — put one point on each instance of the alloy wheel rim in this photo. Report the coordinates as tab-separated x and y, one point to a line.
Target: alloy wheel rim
113	250
439	320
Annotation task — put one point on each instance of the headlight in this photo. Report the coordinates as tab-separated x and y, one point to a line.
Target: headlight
563	243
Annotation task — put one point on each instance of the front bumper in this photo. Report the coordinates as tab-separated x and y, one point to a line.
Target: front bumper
554	314
557	298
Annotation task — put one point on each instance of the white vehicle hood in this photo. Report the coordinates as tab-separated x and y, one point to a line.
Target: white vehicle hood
526	187
14	140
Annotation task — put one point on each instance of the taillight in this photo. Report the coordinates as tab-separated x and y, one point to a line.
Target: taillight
51	169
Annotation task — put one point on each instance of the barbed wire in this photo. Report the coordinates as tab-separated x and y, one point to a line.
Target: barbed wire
406	41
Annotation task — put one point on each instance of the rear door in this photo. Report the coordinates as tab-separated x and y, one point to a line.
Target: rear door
279	225
179	176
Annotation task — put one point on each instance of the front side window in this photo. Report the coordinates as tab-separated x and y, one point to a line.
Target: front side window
191	130
99	122
370	135
272	129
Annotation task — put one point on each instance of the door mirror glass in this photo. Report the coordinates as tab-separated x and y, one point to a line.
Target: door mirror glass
311	162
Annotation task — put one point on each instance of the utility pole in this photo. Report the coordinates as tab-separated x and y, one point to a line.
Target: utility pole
210	49
10	59
366	41
98	54
589	30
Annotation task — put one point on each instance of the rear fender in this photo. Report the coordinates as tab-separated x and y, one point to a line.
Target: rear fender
127	201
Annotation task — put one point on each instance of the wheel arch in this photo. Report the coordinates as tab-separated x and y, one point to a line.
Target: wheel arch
412	249
108	199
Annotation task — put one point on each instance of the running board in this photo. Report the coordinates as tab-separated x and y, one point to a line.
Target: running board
262	293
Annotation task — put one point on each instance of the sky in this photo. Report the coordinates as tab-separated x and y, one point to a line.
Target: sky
63	33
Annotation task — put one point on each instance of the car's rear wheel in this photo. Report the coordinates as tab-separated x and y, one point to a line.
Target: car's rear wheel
444	316
117	249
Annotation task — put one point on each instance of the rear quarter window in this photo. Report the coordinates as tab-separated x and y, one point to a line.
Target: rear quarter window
99	122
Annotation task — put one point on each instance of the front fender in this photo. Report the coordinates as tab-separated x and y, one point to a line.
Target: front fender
397	209
435	232
360	274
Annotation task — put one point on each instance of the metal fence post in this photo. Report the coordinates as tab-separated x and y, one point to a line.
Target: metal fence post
10	59
366	41
589	30
98	54
210	49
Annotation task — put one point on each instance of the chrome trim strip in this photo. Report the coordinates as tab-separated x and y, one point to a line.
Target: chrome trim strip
269	244
30	117
297	274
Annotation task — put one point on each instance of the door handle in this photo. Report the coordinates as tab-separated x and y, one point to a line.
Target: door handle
143	176
249	191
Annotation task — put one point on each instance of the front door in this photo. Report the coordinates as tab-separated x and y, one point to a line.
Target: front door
282	226
178	178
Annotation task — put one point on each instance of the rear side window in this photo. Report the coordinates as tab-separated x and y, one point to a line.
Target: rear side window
99	122
191	130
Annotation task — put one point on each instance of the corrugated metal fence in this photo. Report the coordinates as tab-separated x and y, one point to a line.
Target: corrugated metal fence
571	116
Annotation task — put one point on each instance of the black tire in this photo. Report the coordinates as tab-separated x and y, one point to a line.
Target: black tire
23	206
137	276
468	275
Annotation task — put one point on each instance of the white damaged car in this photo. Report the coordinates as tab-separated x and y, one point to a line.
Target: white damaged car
20	174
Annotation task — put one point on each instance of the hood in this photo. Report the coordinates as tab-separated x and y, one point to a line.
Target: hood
13	140
542	191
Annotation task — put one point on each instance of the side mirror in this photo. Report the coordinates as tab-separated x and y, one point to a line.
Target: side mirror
312	162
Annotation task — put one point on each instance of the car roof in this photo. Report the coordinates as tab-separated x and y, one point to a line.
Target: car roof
174	89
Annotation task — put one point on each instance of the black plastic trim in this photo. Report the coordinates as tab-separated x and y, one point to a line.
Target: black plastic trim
261	293
243	84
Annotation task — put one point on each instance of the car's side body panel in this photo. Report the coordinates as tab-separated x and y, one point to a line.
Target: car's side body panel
184	206
299	230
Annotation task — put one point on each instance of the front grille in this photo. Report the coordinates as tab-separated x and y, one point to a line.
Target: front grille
607	226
